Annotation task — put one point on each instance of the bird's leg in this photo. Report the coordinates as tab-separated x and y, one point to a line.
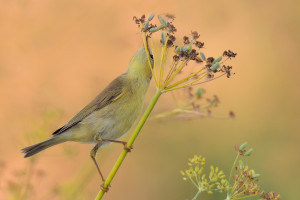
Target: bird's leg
128	149
93	154
99	139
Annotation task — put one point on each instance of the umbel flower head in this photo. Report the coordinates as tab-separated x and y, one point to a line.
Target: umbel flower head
165	75
214	181
193	103
243	184
245	180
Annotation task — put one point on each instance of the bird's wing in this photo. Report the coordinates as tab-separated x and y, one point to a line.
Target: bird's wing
110	94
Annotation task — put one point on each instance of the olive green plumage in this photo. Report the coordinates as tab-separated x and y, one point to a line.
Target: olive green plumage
111	114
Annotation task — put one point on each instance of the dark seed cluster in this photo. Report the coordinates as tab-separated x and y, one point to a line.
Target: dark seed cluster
171	40
210	60
170	16
186	40
231	114
195	35
229	54
227	70
171	27
199	44
270	196
140	20
246	182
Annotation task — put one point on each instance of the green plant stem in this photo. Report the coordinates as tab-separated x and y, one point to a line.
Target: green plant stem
197	194
230	175
234	163
129	144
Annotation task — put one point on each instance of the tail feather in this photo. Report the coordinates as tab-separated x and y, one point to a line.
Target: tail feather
36	148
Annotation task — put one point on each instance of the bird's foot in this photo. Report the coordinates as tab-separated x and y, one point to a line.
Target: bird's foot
103	188
128	149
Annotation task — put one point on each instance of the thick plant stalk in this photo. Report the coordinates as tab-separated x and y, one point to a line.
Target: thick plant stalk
129	145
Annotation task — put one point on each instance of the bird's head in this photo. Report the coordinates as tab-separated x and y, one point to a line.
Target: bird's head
139	64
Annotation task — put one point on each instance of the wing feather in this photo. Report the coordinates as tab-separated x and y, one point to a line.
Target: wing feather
110	94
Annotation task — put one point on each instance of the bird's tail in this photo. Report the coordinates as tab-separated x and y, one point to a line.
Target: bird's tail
36	148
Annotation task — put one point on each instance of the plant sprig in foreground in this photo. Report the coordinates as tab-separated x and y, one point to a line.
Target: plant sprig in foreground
242	183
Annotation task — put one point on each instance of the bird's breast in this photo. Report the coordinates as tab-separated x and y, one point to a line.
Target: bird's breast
116	119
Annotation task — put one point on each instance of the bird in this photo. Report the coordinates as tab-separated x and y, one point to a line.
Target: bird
110	115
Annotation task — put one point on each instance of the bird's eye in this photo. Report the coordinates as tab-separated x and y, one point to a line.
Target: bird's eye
151	56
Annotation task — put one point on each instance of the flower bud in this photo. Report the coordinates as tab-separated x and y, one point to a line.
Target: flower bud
146	25
249	152
154	29
243	146
256	176
199	92
217	60
215	66
151	16
202	55
241	164
163	37
162	21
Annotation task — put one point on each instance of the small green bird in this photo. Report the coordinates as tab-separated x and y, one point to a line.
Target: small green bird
110	115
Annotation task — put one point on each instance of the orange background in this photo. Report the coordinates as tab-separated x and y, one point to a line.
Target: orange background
55	56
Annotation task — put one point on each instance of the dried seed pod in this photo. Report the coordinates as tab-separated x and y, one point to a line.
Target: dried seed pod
175	58
210	60
186	40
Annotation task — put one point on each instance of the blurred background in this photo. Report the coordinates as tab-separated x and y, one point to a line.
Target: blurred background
55	56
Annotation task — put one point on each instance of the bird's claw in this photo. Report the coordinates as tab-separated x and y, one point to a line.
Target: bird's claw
128	149
105	189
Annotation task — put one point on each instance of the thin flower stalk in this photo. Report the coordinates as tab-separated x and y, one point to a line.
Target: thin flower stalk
186	85
162	62
185	79
148	56
175	73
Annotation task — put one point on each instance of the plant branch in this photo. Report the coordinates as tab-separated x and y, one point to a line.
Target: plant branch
129	145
